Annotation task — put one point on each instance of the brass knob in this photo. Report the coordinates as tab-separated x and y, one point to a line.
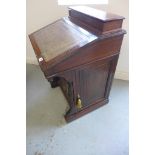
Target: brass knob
79	102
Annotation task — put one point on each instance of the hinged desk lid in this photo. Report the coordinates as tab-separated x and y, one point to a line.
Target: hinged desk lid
60	39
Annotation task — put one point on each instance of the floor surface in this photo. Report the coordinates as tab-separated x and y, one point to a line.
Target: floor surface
101	132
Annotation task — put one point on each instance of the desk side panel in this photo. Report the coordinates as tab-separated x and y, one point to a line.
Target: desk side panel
100	49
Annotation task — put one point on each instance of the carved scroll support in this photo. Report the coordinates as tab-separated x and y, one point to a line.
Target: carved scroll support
54	82
66	81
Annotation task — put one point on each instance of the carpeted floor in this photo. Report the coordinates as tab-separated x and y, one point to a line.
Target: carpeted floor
102	132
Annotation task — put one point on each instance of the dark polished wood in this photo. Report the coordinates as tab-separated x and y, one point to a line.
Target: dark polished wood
79	53
100	20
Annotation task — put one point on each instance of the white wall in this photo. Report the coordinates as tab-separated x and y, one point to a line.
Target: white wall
41	13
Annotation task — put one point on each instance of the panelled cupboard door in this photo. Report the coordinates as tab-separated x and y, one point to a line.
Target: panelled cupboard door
91	82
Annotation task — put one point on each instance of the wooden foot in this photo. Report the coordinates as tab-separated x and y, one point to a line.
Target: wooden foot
72	117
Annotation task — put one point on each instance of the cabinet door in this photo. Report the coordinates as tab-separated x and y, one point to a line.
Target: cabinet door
92	82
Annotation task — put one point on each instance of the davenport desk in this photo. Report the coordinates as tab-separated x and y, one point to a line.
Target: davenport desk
79	53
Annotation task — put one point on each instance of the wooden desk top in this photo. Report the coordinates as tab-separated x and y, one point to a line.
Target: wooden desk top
60	37
65	37
97	14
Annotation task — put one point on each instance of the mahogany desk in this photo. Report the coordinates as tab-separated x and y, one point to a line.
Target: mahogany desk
79	53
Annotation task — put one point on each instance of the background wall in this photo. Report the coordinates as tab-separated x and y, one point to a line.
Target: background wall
41	13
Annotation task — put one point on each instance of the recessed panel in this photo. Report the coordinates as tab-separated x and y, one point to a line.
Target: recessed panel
92	83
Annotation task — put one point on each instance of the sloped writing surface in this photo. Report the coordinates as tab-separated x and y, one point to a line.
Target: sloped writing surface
60	37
